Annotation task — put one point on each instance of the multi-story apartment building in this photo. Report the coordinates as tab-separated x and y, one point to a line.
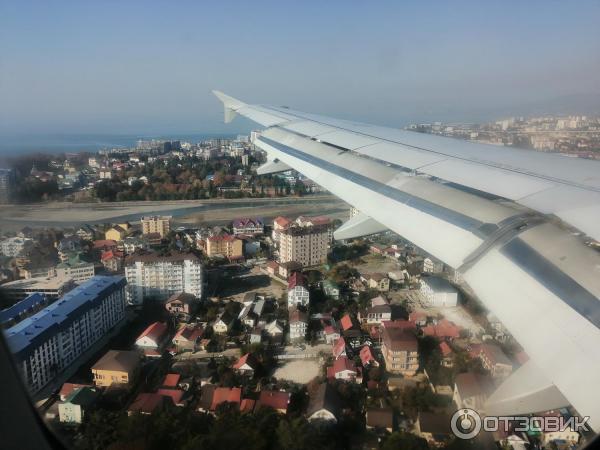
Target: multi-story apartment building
156	224
438	292
76	269
158	277
53	288
224	245
13	246
6	184
50	340
306	242
400	351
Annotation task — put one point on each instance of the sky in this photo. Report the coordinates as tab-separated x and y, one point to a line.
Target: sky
119	67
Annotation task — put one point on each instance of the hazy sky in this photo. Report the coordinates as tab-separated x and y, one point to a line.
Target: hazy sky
148	67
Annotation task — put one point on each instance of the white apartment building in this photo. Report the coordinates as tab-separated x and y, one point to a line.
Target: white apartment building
156	224
13	246
438	292
79	272
307	245
50	340
159	277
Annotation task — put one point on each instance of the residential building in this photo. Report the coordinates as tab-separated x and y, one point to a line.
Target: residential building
133	243
49	341
223	245
187	337
181	305
86	233
153	336
298	325
343	369
52	288
22	309
305	242
298	293
12	246
246	365
116	366
495	360
378	281
149	402
247	226
278	400
73	409
376	314
76	268
331	289
280	223
6	185
158	277
438	292
324	404
400	351
156	224
116	233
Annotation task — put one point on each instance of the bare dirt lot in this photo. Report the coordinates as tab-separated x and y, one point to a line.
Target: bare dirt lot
298	371
376	263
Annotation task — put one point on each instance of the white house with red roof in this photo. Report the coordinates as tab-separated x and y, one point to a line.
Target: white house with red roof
297	290
332	334
152	337
247	364
344	369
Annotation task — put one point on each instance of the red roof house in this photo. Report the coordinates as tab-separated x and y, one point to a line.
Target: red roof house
223	395
366	357
346	322
153	336
278	400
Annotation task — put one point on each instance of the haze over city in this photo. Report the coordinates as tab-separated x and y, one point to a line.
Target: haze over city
148	68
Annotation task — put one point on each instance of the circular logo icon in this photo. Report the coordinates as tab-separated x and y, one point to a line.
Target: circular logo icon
465	423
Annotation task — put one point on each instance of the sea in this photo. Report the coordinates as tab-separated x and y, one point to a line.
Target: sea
15	145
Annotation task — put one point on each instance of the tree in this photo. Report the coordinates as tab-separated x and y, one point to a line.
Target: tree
404	441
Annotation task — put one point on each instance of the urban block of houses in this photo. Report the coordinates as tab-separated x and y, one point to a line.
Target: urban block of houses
148	403
116	366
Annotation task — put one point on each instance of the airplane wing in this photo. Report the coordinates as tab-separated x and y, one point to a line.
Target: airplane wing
481	209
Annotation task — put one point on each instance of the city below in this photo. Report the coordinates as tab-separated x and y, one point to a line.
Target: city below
170	289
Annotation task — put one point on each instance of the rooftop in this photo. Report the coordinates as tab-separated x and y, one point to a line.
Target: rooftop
118	360
62	312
